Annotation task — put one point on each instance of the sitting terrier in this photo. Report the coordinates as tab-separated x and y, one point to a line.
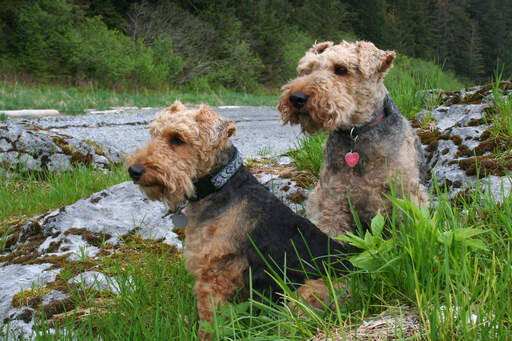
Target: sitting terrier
235	227
340	89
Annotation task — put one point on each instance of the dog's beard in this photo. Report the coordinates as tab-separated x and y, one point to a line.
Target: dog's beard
307	123
152	192
159	193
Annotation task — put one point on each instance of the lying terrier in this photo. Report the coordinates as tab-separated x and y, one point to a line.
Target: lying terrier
340	89
232	221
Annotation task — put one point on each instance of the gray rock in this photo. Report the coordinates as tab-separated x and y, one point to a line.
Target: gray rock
115	212
4	145
53	295
26	147
32	142
459	128
98	281
257	128
13	279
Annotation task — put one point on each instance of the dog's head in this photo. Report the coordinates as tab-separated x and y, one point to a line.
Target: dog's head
337	85
185	146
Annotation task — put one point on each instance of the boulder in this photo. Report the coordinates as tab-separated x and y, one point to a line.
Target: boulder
24	147
461	142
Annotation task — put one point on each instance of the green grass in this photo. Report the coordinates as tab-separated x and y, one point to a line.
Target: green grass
155	303
501	120
308	152
454	258
409	76
74	100
36	193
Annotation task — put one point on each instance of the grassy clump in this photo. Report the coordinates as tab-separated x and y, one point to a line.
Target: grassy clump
308	152
410	76
31	194
74	100
501	119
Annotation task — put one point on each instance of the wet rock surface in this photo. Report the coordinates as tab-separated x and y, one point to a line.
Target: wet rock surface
25	147
460	140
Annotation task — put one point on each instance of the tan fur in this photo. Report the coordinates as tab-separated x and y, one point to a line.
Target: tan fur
346	101
171	169
213	255
316	294
337	100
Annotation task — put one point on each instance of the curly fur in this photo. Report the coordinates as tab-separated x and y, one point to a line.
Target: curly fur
338	102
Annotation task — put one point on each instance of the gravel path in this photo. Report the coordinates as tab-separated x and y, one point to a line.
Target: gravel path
258	129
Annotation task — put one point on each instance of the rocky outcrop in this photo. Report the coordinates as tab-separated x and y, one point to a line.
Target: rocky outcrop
463	139
75	236
24	147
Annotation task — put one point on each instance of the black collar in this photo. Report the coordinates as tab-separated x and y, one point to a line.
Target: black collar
213	182
355	131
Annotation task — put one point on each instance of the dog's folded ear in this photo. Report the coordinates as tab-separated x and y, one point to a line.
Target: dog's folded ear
218	126
373	60
231	129
226	128
176	106
319	48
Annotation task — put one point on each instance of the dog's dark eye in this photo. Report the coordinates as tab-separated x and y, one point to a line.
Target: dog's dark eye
340	70
175	140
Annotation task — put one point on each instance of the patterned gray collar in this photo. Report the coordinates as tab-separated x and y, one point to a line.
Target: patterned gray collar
213	182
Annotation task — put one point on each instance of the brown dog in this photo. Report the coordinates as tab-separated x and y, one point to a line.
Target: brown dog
340	89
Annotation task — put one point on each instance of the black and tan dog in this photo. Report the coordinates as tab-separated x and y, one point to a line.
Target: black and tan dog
190	160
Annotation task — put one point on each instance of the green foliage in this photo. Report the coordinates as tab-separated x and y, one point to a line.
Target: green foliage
102	53
42	37
74	100
501	118
239	71
420	229
169	62
409	76
294	50
243	46
308	152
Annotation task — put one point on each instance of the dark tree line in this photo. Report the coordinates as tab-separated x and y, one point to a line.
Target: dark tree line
240	44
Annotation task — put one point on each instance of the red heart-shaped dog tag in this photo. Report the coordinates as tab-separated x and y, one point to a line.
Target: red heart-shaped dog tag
352	159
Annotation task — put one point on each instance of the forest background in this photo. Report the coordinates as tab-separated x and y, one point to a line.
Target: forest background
249	46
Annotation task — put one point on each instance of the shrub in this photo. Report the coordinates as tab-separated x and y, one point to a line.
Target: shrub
239	70
166	58
42	34
103	54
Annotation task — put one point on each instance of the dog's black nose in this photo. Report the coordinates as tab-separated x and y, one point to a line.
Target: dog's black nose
299	99
136	172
